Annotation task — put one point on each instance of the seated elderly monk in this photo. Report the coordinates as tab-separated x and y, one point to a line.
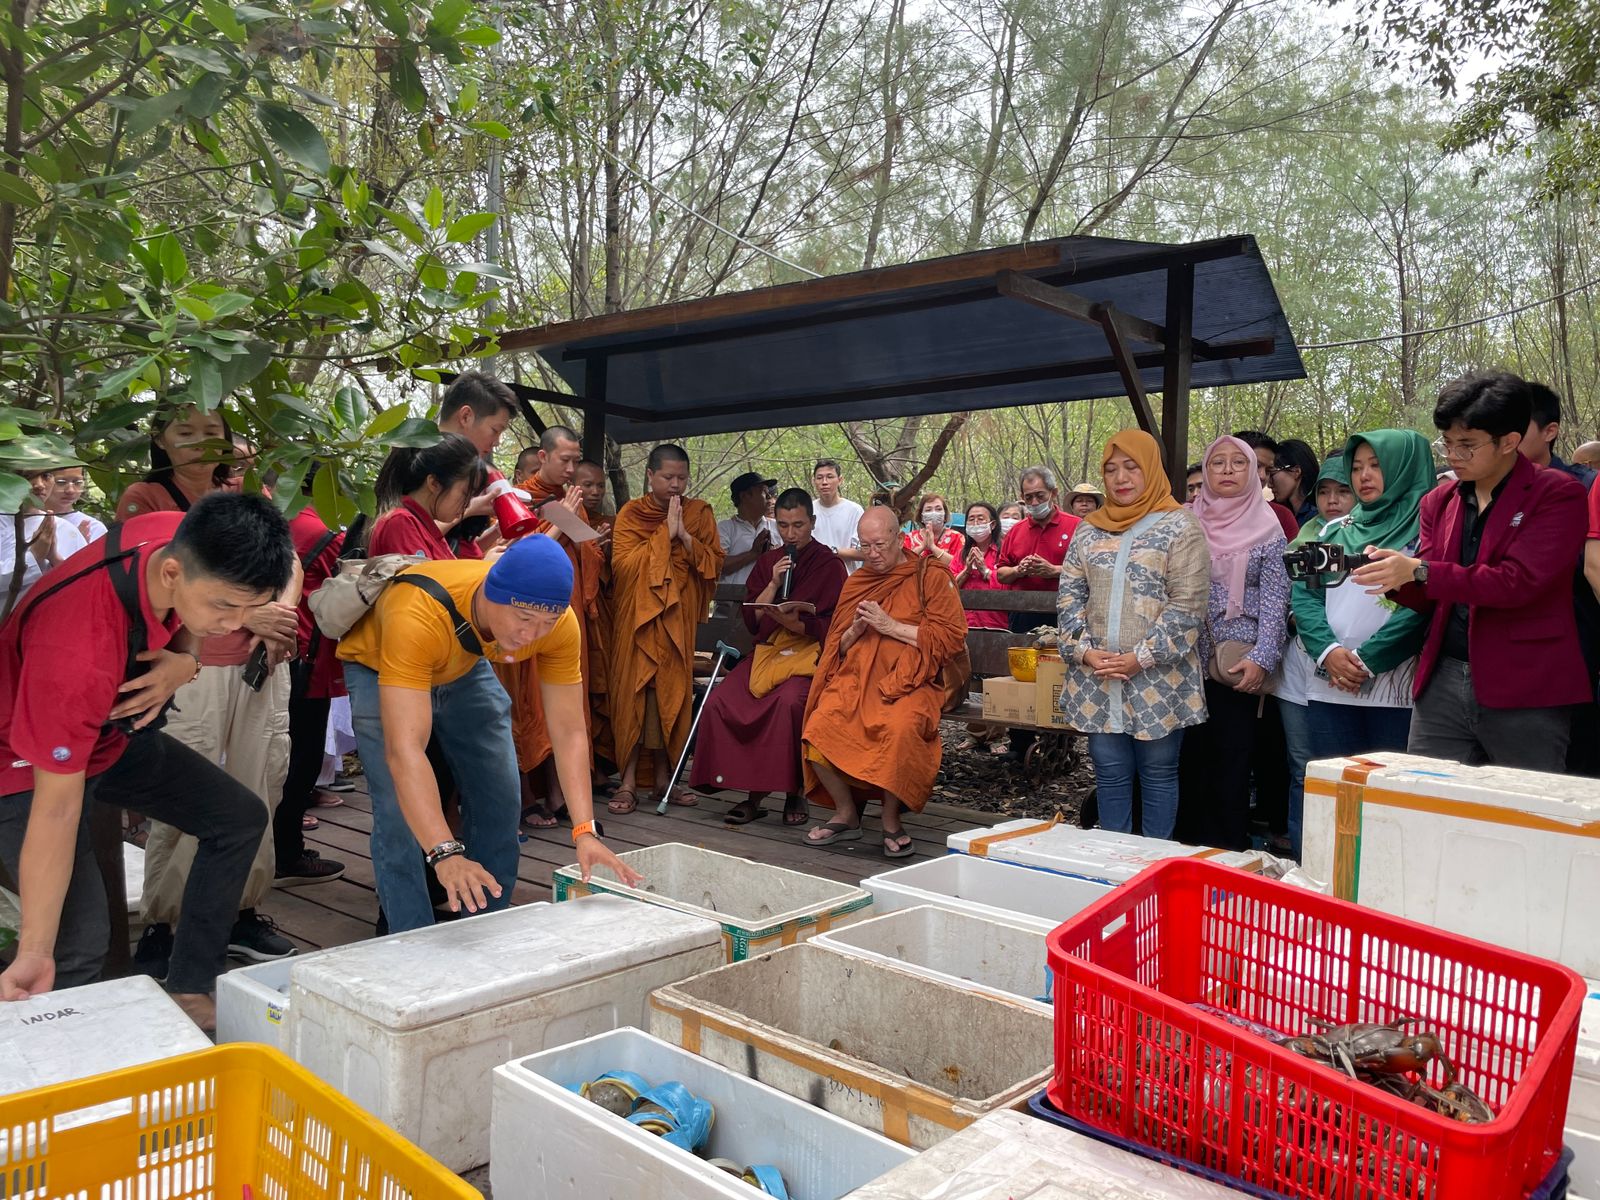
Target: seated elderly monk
872	719
750	729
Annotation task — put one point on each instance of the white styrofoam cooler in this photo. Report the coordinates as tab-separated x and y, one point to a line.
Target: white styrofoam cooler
548	1143
885	1048
1094	854
133	876
1502	855
962	950
1012	1155
983	888
88	1030
760	907
410	1026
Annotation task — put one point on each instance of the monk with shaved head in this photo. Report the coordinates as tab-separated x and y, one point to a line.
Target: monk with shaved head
872	718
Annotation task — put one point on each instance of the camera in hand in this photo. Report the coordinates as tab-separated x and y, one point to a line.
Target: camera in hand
1312	562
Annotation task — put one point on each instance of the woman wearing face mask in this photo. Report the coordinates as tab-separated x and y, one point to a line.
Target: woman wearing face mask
1010	517
935	538
1366	646
1241	643
421	490
1334	498
975	563
1132	595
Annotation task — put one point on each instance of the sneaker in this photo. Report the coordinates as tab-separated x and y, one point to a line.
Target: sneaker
153	952
339	784
256	937
310	867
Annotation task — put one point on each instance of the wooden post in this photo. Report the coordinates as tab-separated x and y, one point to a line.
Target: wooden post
1127	368
593	403
1179	361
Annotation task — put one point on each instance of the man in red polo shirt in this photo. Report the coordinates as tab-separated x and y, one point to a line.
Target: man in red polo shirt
70	663
1032	553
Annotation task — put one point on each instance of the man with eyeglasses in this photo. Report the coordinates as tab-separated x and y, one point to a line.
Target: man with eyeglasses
1501	666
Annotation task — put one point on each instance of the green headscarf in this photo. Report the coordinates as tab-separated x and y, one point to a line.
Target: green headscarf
1391	520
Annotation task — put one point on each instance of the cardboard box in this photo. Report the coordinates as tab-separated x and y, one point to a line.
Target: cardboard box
1005	699
1051	678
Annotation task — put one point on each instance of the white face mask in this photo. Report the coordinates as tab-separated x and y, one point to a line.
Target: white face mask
933	516
1007	524
978	532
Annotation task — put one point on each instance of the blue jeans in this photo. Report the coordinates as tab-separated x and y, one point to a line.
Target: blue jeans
1296	720
1340	730
472	722
1116	757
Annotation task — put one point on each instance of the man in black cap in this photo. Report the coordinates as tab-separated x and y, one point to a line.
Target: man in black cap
750	532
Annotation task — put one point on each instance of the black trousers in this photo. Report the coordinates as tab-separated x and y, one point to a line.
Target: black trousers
1214	770
308	739
164	779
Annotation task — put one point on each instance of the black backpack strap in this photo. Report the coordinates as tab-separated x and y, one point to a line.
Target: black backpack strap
176	493
315	553
463	627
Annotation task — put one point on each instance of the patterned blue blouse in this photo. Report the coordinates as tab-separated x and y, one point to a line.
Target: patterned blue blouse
1265	619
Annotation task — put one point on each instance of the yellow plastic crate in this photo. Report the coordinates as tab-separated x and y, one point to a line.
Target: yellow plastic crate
206	1126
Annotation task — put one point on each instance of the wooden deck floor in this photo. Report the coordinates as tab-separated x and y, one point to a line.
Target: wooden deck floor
333	914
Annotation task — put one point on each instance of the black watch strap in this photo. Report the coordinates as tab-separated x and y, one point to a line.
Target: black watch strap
443	851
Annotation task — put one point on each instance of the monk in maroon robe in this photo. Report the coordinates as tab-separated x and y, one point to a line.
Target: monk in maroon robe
749	736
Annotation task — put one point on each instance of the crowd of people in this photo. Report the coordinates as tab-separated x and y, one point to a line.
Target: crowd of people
1289	608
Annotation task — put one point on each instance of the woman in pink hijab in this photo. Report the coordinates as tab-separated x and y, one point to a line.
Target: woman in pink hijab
1247	617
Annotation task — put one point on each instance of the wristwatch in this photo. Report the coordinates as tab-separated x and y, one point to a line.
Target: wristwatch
1420	572
588	828
443	851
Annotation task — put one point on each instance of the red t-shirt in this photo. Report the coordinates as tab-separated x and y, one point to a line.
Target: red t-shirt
1594	509
307	529
409	529
54	699
978	618
950	541
1286	518
1049	541
229	650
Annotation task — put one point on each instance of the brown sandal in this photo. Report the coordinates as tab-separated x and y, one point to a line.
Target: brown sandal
623	801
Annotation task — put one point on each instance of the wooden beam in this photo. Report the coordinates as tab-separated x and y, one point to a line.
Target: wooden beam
1175	374
593	404
1079	308
1117	338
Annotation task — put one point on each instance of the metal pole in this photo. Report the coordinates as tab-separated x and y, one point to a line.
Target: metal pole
725	652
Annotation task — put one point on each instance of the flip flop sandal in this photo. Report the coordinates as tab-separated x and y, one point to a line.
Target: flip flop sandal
892	847
796	813
767	1180
743	814
616	1091
539	818
836	833
618	806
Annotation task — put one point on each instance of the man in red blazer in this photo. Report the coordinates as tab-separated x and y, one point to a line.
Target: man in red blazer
1501	666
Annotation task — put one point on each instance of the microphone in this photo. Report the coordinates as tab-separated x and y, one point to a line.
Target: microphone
786	584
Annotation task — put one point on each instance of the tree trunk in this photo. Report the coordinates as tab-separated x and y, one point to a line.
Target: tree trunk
889	84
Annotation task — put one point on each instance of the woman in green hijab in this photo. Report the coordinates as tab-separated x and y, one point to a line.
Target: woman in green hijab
1364	646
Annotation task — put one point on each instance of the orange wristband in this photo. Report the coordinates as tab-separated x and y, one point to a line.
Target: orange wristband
579	831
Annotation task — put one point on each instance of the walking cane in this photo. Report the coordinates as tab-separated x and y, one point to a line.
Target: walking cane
725	653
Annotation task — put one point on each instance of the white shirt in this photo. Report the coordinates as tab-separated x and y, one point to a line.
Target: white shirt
836	527
68	542
92	528
738	536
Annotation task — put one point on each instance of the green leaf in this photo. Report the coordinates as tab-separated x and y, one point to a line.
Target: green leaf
14	190
203	57
492	128
14	490
205	98
464	229
228	303
413	431
222	18
406	82
325	494
449	15
117	382
392	15
408	228
349	408
174	263
9	430
198	309
385	422
300	140
433	208
481	36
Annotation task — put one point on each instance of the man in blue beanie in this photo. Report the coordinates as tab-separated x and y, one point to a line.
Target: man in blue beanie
417	666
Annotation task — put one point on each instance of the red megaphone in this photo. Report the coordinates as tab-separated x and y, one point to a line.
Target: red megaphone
514	517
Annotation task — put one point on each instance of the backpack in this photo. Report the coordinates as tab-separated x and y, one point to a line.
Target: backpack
345	598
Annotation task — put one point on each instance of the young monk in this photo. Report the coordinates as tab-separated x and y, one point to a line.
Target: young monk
557	462
665	559
872	719
750	730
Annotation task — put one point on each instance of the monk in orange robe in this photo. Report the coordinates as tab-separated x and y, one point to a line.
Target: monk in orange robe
665	559
590	479
872	718
557	461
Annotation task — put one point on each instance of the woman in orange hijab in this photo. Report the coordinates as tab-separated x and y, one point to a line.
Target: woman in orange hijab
1133	594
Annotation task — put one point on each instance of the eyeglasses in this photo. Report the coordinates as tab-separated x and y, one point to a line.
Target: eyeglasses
1458	451
1277	467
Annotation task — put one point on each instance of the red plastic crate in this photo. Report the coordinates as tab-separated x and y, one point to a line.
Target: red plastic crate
1136	1058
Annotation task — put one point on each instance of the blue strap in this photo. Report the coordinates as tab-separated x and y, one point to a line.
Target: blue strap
768	1180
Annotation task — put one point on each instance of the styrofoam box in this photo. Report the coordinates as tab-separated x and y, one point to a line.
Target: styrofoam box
88	1030
1583	1176
1094	854
962	950
1014	1155
1489	852
410	1026
582	1152
1585	1100
133	876
890	1050
981	887
759	907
